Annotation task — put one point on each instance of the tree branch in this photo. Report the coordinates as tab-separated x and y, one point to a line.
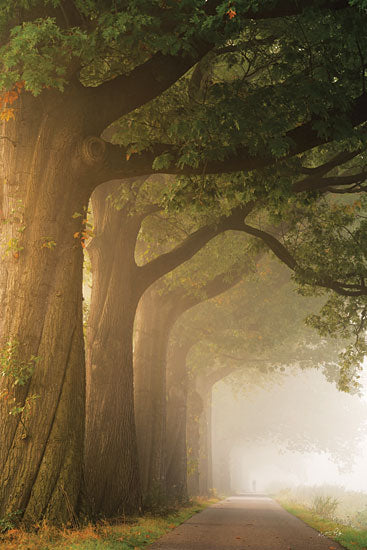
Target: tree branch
302	138
337	160
125	93
155	269
324	183
344	289
217	375
115	98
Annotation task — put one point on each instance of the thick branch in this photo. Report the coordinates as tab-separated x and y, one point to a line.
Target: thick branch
217	375
111	100
316	184
301	138
219	284
125	93
348	190
337	160
155	269
344	289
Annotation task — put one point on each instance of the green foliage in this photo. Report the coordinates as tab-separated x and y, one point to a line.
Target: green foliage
10	521
348	537
103	40
18	372
13	367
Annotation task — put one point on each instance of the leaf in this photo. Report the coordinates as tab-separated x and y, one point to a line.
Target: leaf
129	153
7	114
231	13
162	161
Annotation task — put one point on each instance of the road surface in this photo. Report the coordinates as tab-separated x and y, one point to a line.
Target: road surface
246	522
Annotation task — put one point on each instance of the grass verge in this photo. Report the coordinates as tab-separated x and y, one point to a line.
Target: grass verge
131	534
348	537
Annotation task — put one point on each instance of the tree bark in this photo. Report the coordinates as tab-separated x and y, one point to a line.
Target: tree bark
44	182
177	388
111	469
153	324
200	430
205	449
194	410
111	466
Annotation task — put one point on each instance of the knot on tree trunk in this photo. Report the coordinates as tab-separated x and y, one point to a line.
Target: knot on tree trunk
93	150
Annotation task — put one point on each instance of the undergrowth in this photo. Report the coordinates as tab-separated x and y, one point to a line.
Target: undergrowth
349	537
129	534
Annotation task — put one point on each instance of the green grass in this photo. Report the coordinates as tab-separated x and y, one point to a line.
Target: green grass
348	537
132	534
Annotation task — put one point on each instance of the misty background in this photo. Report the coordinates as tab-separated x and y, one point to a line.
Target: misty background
298	430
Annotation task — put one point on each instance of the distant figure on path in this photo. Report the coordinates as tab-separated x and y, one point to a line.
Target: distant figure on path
254	486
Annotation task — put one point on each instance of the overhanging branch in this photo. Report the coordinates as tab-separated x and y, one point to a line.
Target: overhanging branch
155	269
340	287
318	184
117	164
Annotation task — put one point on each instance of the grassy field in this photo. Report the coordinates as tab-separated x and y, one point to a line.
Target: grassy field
131	534
347	536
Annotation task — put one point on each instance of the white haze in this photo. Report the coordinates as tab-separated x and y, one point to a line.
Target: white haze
299	431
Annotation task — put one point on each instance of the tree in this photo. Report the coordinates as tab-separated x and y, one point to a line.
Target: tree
74	69
150	357
256	328
119	281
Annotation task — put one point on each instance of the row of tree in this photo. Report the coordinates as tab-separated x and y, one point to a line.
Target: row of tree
214	95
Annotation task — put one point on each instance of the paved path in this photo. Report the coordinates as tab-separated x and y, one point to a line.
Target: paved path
242	523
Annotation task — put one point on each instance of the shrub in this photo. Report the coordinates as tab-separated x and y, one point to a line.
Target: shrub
325	506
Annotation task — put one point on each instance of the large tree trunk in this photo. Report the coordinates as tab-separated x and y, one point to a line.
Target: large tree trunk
111	466
44	182
194	411
205	450
199	433
222	468
153	323
177	387
199	437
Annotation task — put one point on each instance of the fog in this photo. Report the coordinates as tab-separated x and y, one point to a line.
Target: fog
300	430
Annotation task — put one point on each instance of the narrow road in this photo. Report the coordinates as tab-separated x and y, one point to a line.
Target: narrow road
253	522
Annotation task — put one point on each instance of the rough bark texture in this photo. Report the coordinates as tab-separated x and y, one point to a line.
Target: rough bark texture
153	324
118	283
45	179
111	467
177	387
